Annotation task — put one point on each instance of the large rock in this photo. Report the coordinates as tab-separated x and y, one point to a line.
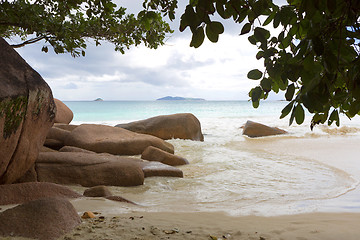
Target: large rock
254	129
56	137
25	192
63	112
88	169
113	140
155	154
27	111
180	125
43	219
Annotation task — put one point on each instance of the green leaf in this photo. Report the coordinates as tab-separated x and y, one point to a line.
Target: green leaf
290	92
269	19
265	84
299	114
254	74
259	55
213	29
256	94
334	116
246	28
45	49
286	110
83	53
197	38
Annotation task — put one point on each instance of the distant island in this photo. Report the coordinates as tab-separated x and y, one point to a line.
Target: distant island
98	100
170	98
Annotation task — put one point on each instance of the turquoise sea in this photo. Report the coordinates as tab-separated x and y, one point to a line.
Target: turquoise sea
233	173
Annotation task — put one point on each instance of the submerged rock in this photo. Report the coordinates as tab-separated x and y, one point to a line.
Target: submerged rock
180	125
157	169
155	154
27	111
254	129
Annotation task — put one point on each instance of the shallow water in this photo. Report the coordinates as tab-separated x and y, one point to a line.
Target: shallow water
230	172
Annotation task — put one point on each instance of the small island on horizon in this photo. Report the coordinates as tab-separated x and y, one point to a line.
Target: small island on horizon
170	98
98	100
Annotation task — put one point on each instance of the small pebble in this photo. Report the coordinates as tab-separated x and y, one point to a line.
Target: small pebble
88	214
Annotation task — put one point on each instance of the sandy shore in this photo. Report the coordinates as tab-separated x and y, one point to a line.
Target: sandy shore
335	219
143	225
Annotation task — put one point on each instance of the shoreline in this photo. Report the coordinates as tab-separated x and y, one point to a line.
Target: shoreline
162	225
335	218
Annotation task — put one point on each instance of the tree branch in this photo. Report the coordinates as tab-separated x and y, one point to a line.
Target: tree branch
30	41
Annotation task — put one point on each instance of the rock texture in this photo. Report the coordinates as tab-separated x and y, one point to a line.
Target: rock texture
25	192
118	141
155	154
180	125
88	169
97	191
63	112
44	219
27	111
254	129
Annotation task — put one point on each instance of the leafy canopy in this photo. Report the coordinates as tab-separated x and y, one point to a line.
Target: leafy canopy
66	25
314	59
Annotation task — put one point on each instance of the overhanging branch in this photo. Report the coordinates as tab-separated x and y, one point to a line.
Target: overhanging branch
30	41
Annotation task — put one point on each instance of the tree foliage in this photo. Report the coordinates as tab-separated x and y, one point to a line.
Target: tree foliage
314	58
66	25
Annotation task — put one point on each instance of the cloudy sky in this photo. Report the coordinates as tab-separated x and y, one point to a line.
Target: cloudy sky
215	71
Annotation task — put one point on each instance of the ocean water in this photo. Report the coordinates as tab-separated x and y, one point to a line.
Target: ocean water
228	171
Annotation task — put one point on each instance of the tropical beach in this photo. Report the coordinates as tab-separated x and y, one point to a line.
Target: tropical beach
301	185
225	119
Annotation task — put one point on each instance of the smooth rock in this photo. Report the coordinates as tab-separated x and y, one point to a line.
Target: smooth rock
180	125
27	111
63	112
44	219
113	140
74	149
254	129
87	215
155	154
88	169
25	192
68	127
97	191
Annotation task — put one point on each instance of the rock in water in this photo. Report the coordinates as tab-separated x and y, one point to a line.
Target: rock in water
113	140
180	125
44	219
27	111
254	129
155	154
63	112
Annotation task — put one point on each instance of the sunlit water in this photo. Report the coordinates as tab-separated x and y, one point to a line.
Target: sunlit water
228	171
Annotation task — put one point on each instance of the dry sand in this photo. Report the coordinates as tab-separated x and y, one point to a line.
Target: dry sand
143	225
